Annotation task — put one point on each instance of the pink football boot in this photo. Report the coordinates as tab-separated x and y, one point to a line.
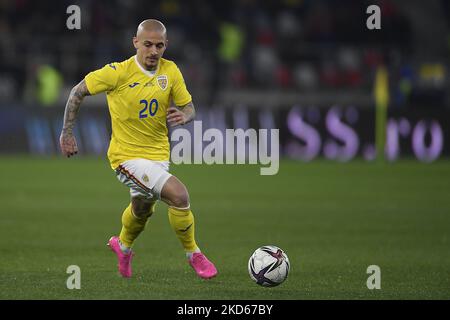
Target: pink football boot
124	258
203	267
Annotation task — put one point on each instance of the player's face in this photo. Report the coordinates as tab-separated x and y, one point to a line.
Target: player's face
150	46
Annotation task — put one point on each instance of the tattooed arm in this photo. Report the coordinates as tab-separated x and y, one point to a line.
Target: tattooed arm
181	115
67	140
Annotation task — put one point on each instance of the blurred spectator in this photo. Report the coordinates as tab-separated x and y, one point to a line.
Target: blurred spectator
49	83
231	45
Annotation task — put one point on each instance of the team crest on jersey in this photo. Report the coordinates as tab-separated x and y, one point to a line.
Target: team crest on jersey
162	81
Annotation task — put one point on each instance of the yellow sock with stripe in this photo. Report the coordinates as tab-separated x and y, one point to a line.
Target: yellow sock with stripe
182	222
132	226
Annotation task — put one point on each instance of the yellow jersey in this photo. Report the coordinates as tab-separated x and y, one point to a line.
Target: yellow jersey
138	101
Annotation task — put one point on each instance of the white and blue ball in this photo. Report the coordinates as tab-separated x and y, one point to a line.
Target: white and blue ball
268	266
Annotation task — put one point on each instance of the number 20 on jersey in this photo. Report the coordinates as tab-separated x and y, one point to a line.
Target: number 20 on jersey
149	108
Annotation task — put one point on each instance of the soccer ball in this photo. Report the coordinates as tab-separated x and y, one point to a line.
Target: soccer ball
268	266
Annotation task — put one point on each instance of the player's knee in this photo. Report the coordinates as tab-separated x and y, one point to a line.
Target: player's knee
175	194
141	213
181	200
143	209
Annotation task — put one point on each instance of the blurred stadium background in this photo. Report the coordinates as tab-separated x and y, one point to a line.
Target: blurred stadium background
308	68
279	64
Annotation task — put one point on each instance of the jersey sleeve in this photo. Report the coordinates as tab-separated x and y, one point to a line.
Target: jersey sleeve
104	79
180	94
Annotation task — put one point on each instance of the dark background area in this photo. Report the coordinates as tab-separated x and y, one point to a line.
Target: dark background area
304	47
270	55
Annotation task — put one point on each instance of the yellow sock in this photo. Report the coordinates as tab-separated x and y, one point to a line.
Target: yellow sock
132	226
182	222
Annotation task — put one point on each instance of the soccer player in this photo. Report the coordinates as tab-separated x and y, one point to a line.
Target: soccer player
139	92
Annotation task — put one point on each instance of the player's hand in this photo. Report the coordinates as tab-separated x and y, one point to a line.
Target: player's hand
68	144
176	117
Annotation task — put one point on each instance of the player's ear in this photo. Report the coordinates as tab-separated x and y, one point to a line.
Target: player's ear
135	42
166	43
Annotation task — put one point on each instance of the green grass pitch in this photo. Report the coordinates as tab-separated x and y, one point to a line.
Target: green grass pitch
333	220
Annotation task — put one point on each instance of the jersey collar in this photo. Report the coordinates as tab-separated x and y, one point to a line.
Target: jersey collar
151	74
